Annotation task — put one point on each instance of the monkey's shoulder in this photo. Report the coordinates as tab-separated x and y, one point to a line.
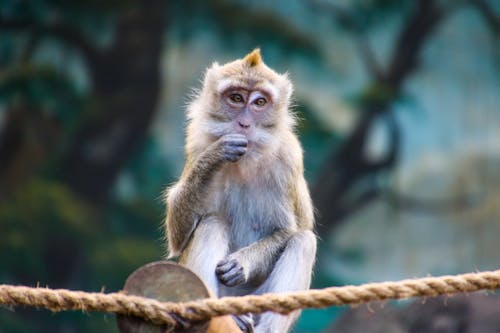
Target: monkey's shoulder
290	147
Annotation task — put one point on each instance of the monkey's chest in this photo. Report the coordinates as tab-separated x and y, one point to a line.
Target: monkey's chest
251	212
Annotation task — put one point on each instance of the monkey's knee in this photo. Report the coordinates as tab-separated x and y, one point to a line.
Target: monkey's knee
302	250
303	243
209	238
293	269
209	244
210	229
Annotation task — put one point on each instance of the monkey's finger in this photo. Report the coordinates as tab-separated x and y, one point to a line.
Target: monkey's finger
237	143
255	319
236	150
235	136
232	158
240	151
225	266
234	281
234	273
235	140
235	154
183	323
244	322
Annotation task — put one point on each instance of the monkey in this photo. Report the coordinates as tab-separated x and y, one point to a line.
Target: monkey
241	215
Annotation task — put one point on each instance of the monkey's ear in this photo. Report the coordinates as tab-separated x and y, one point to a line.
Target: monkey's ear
253	58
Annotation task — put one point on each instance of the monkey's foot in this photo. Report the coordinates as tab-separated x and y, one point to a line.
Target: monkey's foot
245	322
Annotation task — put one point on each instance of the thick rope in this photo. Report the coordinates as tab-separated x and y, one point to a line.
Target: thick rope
161	313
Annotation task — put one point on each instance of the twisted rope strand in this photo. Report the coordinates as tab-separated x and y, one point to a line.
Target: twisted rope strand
160	312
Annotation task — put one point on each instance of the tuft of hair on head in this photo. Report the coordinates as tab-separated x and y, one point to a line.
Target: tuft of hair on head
253	58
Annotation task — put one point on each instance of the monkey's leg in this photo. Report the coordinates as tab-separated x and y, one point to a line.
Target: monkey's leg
209	244
292	272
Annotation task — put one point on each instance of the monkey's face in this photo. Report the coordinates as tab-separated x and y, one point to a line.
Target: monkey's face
248	98
246	109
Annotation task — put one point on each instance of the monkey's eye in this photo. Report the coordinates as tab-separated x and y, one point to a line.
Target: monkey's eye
261	101
237	98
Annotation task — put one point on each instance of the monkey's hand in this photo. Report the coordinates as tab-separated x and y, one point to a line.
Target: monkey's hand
233	146
232	270
246	322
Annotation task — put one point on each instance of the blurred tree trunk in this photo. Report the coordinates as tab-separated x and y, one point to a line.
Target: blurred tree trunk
346	167
126	85
26	138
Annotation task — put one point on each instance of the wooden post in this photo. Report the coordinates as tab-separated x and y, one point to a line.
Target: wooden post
169	282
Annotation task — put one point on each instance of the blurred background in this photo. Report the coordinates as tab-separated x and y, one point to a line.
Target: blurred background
400	121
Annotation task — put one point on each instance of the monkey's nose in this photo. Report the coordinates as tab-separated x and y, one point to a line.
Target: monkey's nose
243	125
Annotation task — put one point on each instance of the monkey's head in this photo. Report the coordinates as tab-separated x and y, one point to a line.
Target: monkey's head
246	97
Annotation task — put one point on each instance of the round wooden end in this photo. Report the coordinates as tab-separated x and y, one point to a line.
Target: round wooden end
163	281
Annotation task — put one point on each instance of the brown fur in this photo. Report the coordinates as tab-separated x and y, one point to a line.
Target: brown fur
253	58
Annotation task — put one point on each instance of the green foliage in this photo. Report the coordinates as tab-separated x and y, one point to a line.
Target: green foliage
90	16
36	218
249	26
363	15
41	87
48	234
149	173
12	323
114	259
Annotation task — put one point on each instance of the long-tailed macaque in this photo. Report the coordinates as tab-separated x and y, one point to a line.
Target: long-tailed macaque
241	215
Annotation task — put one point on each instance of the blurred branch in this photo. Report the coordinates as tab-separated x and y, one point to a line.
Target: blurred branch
347	165
339	14
368	56
347	20
26	138
57	29
487	11
361	200
10	139
392	155
419	27
237	17
433	206
30	47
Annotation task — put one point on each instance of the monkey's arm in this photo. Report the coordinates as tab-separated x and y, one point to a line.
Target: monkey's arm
303	206
254	262
185	199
